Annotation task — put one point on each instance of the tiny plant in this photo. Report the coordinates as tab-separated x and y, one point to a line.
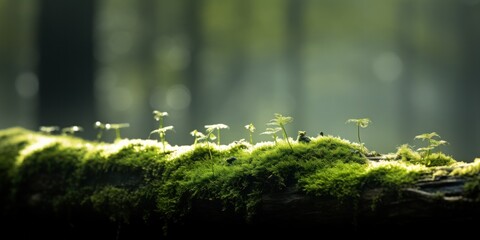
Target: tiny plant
250	129
207	137
273	132
361	123
48	129
158	116
116	127
71	130
281	121
217	126
197	135
432	143
161	133
101	128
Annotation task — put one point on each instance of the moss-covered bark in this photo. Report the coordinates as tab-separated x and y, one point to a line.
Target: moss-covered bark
135	184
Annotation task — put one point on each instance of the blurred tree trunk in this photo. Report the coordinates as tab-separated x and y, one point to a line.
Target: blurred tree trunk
194	28
406	118
294	46
66	63
467	85
145	58
10	12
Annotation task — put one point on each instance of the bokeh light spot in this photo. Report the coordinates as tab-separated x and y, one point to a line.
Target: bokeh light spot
178	97
387	67
27	85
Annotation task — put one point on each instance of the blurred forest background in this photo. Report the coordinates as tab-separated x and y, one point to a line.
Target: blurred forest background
411	66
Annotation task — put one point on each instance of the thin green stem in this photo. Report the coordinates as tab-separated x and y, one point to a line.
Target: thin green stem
99	135
251	138
358	133
285	135
218	136
117	134
162	137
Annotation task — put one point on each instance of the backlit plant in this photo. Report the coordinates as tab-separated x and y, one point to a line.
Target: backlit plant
197	135
281	121
361	123
432	143
158	116
101	127
273	132
209	136
251	130
48	129
161	133
71	130
116	127
218	126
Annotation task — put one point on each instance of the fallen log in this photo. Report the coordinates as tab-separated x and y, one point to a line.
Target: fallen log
65	187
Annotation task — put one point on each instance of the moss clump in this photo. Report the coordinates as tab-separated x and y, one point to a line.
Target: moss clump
472	188
469	170
12	141
347	181
135	180
407	154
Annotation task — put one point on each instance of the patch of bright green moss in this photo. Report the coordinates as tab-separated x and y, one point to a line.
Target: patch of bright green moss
407	154
469	170
345	181
135	179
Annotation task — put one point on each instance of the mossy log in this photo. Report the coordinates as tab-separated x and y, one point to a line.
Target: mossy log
65	187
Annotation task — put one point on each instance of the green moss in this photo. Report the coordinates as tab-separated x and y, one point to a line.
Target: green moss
340	181
12	141
135	180
469	170
407	154
345	181
472	188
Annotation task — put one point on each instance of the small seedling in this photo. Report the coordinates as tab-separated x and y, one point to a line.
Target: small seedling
207	137
217	126
161	133
158	116
116	127
71	130
432	143
49	129
250	129
197	135
361	123
281	121
273	132
101	128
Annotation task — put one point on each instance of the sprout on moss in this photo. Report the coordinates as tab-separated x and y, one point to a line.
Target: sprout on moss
281	121
209	136
116	127
197	135
432	143
217	126
361	123
49	129
101	128
251	129
71	130
273	132
161	133
158	116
